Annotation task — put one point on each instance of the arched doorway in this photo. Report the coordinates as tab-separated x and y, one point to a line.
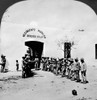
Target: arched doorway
36	49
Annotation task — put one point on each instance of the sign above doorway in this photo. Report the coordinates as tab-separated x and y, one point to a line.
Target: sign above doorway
34	33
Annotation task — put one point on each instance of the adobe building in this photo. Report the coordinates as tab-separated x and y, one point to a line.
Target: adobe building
46	25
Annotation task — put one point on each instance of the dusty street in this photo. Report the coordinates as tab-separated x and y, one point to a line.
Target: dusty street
46	86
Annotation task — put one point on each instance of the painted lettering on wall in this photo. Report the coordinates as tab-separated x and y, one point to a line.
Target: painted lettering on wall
31	35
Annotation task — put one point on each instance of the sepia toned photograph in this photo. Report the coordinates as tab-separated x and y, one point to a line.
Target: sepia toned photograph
48	49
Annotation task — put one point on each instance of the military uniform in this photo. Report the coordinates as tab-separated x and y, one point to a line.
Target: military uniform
3	63
83	70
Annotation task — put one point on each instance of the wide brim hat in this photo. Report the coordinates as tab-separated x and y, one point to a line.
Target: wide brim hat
82	59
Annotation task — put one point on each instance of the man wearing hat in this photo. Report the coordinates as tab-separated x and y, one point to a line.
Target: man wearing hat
77	69
83	70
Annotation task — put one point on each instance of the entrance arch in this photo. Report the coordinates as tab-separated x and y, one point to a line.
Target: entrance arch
36	49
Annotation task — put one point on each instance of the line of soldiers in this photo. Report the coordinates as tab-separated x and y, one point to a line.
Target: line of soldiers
70	68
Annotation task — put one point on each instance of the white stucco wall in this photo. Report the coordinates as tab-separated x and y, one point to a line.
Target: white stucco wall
13	44
62	18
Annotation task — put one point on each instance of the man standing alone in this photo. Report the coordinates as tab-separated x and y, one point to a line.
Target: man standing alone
17	65
3	63
83	70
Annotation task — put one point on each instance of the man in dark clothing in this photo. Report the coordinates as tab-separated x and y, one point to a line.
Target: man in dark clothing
17	65
77	69
64	65
3	63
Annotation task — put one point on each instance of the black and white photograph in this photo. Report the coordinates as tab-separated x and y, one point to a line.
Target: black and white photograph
48	49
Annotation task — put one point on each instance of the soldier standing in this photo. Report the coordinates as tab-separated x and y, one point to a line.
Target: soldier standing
17	65
83	70
3	63
72	70
64	68
77	69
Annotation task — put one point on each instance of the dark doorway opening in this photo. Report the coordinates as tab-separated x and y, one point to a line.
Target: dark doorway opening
67	50
36	49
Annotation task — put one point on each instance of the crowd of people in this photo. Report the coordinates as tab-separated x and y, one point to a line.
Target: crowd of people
73	69
66	67
29	62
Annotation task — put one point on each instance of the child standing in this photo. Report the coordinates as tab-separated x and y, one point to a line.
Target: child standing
17	65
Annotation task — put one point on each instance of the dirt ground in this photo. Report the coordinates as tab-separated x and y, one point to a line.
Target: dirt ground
46	86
